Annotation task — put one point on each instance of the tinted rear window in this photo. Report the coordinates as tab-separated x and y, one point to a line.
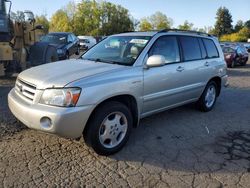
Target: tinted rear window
191	48
212	51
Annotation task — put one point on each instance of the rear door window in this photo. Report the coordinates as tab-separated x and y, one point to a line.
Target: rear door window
191	48
212	51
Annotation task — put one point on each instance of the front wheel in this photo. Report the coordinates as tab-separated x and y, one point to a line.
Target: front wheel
109	128
208	97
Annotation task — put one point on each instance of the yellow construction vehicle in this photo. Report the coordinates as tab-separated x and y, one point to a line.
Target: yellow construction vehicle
18	34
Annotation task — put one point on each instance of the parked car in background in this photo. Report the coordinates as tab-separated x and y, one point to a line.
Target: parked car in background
86	42
124	78
66	44
247	45
235	55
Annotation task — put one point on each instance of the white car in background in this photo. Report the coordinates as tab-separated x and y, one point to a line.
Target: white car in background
86	42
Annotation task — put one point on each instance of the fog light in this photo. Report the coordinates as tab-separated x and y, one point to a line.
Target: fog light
45	123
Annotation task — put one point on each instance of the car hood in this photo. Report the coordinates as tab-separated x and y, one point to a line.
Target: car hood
58	46
61	73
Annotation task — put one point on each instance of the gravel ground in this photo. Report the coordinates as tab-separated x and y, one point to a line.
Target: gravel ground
181	147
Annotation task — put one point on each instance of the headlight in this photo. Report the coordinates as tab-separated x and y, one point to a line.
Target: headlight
67	97
59	51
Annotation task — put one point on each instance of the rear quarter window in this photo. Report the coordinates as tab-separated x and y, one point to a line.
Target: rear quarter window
191	48
212	51
203	50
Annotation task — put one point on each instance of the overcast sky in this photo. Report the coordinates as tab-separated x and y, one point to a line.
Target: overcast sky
200	12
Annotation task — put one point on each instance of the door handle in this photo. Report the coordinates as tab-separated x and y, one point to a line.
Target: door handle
180	69
207	64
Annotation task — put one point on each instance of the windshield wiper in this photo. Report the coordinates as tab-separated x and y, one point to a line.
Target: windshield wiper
103	61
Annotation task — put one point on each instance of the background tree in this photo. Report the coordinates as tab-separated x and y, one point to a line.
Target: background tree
145	25
239	25
160	21
101	18
156	21
224	21
247	24
114	19
60	22
135	22
42	20
186	26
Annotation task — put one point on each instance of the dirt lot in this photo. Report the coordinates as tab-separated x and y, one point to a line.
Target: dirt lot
177	148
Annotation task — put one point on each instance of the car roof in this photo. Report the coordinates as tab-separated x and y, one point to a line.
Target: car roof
170	32
149	34
85	37
59	33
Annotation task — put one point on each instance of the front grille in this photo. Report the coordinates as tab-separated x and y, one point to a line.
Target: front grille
25	89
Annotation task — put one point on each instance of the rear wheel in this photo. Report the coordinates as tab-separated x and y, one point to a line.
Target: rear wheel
244	63
232	64
208	97
109	128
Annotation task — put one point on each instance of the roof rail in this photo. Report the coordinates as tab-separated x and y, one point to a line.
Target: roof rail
186	31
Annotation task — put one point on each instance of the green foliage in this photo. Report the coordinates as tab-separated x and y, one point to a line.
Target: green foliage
186	26
87	18
247	24
60	22
42	20
145	25
92	18
239	25
223	23
114	19
160	21
241	36
156	21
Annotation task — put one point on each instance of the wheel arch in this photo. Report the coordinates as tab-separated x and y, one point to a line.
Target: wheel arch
126	99
217	80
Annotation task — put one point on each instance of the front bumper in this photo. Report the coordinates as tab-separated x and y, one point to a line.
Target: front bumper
65	122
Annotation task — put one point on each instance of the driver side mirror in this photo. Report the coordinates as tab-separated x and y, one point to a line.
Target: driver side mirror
155	61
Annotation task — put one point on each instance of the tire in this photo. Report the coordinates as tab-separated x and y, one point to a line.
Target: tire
78	50
207	101
51	55
232	64
244	63
110	138
41	53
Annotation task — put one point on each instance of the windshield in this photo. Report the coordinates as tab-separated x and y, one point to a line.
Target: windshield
122	50
54	39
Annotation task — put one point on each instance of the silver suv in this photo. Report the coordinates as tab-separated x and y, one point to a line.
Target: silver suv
124	78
